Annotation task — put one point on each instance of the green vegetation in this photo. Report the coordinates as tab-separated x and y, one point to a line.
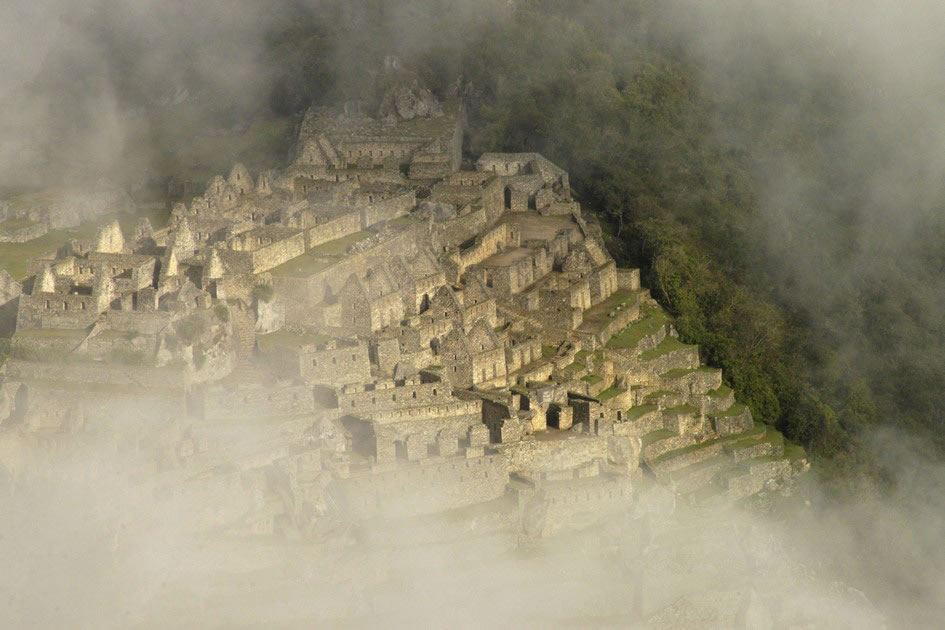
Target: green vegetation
721	392
669	344
611	392
649	324
592	379
284	339
339	246
656	436
302	266
16	224
635	413
548	351
575	367
682	410
736	409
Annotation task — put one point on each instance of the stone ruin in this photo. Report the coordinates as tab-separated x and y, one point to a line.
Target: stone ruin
403	336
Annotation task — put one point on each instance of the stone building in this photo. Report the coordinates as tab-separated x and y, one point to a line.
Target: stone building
399	336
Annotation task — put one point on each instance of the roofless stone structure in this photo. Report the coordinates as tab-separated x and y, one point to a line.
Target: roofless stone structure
391	333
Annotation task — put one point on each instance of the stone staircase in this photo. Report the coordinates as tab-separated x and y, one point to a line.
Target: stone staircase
244	324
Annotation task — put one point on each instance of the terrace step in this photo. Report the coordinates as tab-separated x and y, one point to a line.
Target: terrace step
671	354
665	399
696	381
697	475
693	453
736	419
718	400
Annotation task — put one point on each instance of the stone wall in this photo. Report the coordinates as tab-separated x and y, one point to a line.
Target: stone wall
336	366
390	395
248	402
535	456
333	228
387	209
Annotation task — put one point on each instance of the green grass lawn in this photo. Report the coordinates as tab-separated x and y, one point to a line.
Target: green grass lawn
669	344
630	336
635	413
283	339
721	392
610	392
302	266
592	379
339	246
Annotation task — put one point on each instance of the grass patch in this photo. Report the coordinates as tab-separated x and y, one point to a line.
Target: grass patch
575	367
736	409
794	451
635	413
656	436
548	351
630	336
682	410
17	224
339	246
669	344
611	392
52	333
592	379
302	266
721	392
582	354
401	222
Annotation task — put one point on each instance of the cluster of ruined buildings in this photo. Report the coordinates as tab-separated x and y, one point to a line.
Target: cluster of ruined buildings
376	331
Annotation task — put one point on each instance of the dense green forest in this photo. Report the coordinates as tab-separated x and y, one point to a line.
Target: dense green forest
781	196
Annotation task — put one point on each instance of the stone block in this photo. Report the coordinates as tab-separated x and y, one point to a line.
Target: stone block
478	435
475	451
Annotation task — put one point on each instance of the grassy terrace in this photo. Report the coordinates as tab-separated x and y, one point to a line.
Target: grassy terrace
656	436
401	222
735	410
721	392
302	266
610	392
669	344
548	351
629	337
575	367
52	333
339	246
752	436
757	435
14	257
635	413
681	410
284	339
16	224
592	379
598	315
319	258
